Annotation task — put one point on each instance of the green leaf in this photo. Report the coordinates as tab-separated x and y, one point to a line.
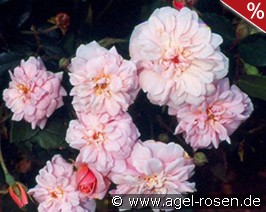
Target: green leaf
22	132
52	136
253	49
254	86
220	25
9	60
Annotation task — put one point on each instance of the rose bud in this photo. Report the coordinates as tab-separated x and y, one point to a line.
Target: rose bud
86	180
178	4
62	21
18	193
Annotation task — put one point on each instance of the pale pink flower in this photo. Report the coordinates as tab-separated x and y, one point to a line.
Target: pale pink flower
91	183
56	188
34	93
103	140
155	168
103	81
216	118
178	57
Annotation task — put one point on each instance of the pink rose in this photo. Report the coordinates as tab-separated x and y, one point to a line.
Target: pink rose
178	57
155	168
86	180
103	140
34	93
216	118
91	183
103	81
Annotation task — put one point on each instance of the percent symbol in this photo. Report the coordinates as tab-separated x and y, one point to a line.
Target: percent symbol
255	9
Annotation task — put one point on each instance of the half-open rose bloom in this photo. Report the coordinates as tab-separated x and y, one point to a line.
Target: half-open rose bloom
91	183
56	188
216	118
103	140
34	93
103	81
155	168
178	57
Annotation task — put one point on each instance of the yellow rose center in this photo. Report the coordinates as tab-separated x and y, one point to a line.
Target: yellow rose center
57	193
22	88
101	86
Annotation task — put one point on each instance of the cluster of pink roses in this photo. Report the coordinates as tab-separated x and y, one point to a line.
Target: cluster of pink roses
180	65
104	85
176	59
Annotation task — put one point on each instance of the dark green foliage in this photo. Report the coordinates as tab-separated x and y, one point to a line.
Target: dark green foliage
254	86
51	137
253	49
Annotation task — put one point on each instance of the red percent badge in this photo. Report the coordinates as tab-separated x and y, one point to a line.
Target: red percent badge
252	10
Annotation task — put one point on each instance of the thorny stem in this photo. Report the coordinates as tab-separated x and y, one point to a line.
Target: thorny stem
165	126
8	177
39	32
233	45
36	36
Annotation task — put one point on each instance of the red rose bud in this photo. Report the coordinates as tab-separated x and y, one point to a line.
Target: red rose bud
178	4
86	180
62	21
18	193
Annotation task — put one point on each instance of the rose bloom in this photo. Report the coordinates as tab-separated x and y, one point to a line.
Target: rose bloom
91	183
34	93
178	57
155	168
103	140
216	118
103	81
56	188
